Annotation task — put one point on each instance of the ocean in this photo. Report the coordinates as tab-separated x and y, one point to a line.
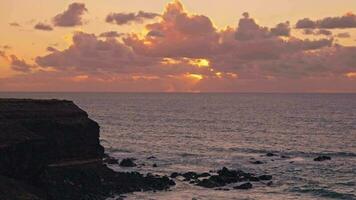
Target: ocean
204	132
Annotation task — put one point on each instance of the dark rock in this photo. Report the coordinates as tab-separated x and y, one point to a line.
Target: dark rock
284	156
151	157
244	186
222	189
50	149
322	158
175	175
155	165
270	183
110	160
127	162
265	177
209	183
190	175
203	175
257	162
271	154
253	179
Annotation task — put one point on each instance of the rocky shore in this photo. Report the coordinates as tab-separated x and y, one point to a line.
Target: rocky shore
49	149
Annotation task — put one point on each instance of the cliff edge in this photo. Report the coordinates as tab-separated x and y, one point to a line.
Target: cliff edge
50	149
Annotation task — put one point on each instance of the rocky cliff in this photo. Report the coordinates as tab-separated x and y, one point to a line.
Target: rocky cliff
49	149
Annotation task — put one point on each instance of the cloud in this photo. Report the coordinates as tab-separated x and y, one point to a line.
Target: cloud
110	34
71	17
14	24
346	21
88	53
178	34
43	27
127	18
282	29
343	35
325	32
20	65
186	52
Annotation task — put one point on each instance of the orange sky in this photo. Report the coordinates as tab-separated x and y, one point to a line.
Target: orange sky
178	46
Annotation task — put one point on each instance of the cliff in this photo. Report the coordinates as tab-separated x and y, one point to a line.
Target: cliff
49	149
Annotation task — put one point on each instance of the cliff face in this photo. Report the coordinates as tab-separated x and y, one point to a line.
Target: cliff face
49	149
35	134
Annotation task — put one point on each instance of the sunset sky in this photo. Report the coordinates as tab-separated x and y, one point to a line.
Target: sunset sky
178	46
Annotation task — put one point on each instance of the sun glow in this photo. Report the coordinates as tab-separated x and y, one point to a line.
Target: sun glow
200	62
197	77
351	75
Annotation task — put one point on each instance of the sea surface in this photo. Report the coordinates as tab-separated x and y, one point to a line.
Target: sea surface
203	132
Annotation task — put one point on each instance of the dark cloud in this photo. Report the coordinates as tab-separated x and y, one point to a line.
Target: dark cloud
317	32
72	16
154	33
43	27
51	49
15	24
20	65
282	29
88	53
127	18
175	46
111	34
343	35
346	21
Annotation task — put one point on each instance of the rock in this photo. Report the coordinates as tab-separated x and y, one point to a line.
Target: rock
110	160
257	162
127	162
50	149
175	175
271	154
270	183
190	175
154	165
253	179
151	157
244	186
208	183
322	158
203	175
265	177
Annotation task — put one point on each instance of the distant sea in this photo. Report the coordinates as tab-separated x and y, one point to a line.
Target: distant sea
202	132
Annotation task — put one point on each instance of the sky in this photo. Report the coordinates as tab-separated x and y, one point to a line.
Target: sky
178	46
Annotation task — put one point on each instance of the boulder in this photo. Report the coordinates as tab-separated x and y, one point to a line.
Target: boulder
127	162
322	158
244	186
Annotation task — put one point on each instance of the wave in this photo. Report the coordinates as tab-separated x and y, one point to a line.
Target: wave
322	192
288	152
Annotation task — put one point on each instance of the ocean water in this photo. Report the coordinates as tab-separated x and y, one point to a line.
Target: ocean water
203	132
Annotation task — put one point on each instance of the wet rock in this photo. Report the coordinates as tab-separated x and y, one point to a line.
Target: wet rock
253	179
244	186
265	177
203	175
190	175
257	162
322	158
271	154
209	183
127	162
175	175
110	160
